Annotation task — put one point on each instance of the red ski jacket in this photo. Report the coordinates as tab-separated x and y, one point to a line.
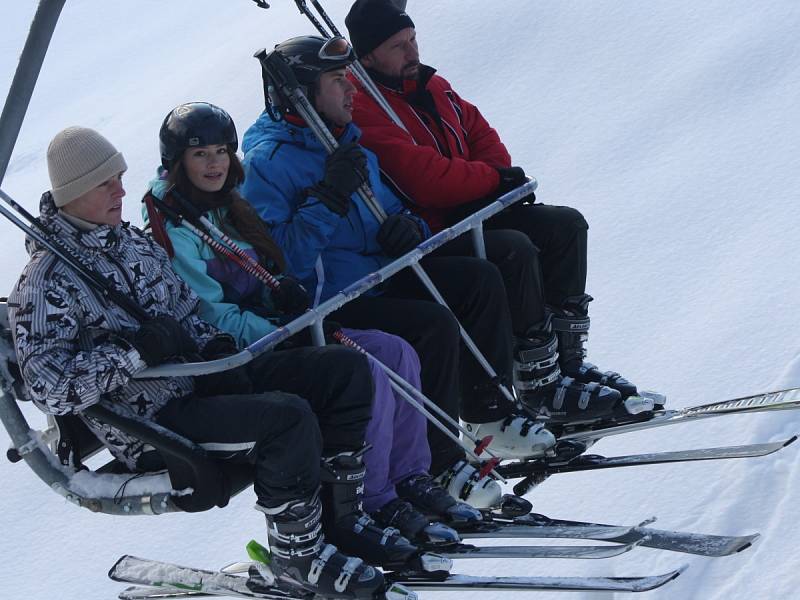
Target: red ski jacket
448	158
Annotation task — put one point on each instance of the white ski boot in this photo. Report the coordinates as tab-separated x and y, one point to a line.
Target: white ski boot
515	436
462	483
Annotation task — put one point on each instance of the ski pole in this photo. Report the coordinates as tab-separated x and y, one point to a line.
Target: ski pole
45	236
267	278
357	68
281	74
231	251
488	465
480	444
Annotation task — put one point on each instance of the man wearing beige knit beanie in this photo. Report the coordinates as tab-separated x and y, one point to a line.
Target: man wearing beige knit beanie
86	177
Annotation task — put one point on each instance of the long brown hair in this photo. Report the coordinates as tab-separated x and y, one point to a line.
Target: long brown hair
242	220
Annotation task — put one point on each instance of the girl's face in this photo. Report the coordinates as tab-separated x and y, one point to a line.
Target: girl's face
207	166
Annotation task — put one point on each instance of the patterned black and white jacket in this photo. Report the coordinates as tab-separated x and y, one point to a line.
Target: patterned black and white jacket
72	344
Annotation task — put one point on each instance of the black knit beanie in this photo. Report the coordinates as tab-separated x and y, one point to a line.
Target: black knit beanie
372	22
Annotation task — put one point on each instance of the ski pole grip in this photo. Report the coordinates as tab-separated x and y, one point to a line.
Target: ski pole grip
277	67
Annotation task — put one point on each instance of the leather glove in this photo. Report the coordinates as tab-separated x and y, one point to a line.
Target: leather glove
160	338
232	381
510	179
399	234
345	171
291	298
302	339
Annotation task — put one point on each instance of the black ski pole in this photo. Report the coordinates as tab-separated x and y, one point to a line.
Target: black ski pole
281	75
41	233
357	68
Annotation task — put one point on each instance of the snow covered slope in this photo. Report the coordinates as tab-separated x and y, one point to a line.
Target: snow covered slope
673	126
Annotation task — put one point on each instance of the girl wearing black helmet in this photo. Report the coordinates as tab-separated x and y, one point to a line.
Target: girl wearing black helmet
202	170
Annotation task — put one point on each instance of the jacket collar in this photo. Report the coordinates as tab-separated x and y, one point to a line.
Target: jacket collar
299	131
405	87
101	238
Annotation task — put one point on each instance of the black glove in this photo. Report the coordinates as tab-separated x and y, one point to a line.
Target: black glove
345	171
232	381
290	298
161	338
510	179
399	234
302	338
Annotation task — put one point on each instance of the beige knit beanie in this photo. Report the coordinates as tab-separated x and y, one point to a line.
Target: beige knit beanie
79	159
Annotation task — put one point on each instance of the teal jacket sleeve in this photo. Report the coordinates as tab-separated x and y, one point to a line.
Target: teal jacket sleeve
246	327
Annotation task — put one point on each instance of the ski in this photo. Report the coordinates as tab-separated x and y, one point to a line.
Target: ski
157	593
468	551
542	468
189	582
562	584
788	399
540	526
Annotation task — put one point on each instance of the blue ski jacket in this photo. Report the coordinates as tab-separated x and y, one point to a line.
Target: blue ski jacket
324	251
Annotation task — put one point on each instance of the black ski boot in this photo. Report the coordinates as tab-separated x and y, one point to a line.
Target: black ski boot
571	324
348	526
540	384
413	524
424	492
300	558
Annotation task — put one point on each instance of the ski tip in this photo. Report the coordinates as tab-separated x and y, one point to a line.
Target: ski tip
747	542
113	571
677	572
791	440
651	583
647	522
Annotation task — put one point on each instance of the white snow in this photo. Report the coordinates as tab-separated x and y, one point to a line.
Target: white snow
673	126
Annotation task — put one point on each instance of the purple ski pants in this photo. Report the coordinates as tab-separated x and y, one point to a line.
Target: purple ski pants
397	431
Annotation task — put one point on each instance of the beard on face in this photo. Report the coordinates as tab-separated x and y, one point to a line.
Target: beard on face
406	70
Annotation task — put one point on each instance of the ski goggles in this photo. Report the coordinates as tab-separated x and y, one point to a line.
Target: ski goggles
337	48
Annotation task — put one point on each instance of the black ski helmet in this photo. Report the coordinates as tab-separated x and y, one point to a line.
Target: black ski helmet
309	56
195	124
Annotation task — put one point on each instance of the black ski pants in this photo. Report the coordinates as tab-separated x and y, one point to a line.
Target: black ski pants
518	261
451	377
560	235
337	383
276	433
541	253
310	402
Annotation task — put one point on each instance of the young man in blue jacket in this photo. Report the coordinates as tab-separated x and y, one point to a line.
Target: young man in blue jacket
331	239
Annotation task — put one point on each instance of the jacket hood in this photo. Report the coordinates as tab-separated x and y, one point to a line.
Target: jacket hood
266	128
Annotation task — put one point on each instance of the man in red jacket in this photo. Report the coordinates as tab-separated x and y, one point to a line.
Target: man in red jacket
447	161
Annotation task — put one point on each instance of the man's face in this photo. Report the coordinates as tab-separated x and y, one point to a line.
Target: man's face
334	97
397	57
101	205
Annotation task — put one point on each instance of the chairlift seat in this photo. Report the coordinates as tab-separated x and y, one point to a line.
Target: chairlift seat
58	453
